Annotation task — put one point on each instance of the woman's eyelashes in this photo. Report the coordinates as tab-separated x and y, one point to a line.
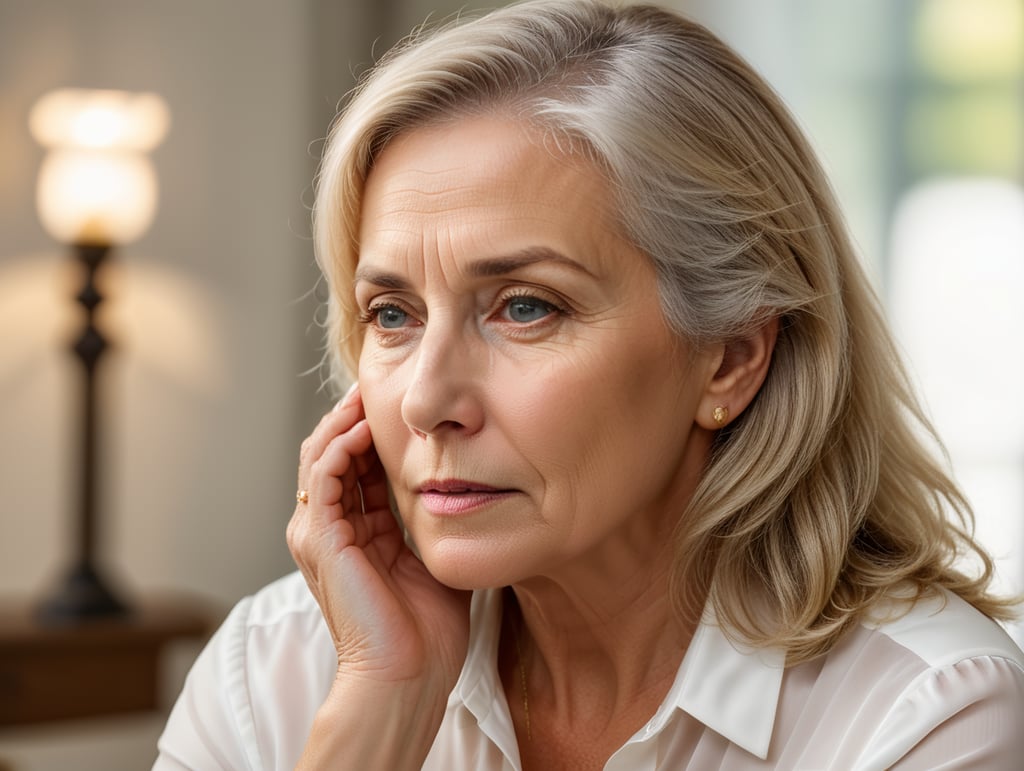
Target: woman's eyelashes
527	308
386	316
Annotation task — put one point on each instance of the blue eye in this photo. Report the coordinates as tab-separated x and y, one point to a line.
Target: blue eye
526	309
390	316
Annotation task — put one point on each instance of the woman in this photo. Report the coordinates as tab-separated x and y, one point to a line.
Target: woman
656	463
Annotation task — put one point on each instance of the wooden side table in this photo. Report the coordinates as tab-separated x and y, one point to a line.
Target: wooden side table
99	667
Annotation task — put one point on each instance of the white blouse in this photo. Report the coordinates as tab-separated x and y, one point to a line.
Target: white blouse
939	687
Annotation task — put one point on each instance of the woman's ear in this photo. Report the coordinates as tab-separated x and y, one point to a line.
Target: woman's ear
743	368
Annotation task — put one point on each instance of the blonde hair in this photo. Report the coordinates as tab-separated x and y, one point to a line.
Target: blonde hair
821	496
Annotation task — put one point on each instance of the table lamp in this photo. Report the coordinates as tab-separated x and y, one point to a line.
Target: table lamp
96	190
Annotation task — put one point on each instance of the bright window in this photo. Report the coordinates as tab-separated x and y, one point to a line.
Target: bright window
955	266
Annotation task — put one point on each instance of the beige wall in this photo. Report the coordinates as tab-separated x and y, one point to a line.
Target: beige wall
205	400
202	389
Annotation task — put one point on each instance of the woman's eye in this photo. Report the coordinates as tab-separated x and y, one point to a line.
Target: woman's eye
523	310
390	316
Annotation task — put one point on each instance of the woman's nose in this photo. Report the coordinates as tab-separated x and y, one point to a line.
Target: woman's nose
442	396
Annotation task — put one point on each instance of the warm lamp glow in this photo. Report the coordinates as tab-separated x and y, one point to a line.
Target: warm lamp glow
96	185
72	117
97	197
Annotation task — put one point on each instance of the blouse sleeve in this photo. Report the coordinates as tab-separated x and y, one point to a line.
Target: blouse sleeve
211	725
966	715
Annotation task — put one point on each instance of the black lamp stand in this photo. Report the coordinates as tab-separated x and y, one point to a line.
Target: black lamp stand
83	594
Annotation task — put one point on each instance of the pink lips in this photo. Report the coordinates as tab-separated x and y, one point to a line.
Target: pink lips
450	497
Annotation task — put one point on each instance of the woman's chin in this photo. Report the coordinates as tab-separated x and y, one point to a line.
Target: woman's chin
468	565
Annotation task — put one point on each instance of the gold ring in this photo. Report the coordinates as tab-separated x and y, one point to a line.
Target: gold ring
302	496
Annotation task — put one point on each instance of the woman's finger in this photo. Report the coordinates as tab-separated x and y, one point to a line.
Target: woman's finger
343	417
341	455
373	482
331	484
332	478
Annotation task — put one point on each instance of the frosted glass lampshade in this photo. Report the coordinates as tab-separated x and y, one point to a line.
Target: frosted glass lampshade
96	196
96	184
74	117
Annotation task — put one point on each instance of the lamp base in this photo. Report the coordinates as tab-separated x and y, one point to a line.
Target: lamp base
82	595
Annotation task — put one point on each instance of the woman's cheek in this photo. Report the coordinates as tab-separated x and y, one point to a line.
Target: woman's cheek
382	401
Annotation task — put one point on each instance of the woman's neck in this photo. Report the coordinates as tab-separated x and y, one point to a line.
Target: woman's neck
589	654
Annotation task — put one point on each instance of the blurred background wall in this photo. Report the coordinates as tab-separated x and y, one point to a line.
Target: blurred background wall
915	106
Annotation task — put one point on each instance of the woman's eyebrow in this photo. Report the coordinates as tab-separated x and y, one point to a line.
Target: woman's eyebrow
499	266
484	268
381	278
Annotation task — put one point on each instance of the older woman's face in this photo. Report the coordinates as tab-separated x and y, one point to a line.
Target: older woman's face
530	406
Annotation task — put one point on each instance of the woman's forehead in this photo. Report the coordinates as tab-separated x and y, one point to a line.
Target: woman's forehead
489	153
487	186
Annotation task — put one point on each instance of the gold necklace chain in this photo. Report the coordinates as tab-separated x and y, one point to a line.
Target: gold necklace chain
522	683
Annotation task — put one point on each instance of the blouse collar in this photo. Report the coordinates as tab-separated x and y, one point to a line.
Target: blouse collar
732	689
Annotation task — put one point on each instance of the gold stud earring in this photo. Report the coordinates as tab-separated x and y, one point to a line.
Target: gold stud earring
720	415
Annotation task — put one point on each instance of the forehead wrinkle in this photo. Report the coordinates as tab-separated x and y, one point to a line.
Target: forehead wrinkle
423	202
409	184
499	195
446	254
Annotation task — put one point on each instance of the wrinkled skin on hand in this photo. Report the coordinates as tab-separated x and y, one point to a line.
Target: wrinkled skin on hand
391	621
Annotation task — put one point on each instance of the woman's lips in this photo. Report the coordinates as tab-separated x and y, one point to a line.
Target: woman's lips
449	497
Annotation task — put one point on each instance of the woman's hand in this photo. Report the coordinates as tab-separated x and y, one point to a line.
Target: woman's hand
397	630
